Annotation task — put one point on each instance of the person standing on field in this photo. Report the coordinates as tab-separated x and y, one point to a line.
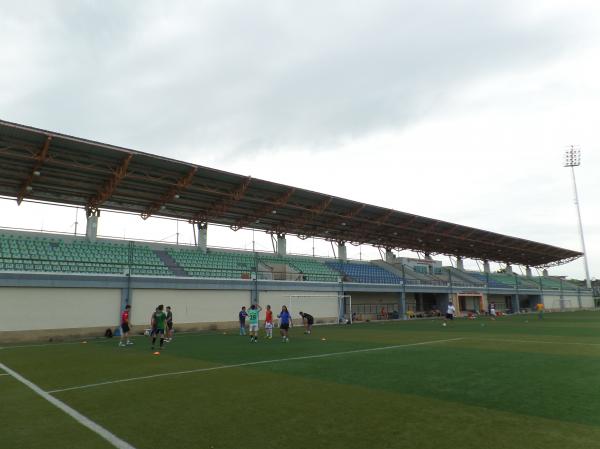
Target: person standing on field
242	316
269	322
125	326
253	320
450	311
159	321
540	310
493	311
169	325
285	322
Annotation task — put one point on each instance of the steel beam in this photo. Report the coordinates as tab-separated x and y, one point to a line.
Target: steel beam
40	158
110	185
181	184
221	207
265	210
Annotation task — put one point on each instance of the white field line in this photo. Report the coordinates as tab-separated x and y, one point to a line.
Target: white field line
544	342
81	419
3	374
260	362
41	345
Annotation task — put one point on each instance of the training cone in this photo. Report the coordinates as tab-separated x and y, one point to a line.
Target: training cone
156	353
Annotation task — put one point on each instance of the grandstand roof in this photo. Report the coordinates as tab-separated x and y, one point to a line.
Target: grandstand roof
47	166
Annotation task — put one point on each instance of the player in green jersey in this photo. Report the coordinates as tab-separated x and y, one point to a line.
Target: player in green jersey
159	320
253	320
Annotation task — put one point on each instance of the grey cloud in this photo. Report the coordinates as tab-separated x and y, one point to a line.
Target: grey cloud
183	78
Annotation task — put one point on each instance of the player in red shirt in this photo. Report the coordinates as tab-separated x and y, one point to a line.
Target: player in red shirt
269	322
125	326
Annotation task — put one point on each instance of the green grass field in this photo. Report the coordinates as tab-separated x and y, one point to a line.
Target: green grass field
512	383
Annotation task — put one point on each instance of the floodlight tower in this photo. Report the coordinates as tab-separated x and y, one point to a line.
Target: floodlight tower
573	159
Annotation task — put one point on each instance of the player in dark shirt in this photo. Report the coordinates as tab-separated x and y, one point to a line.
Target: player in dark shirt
243	314
169	325
159	321
308	320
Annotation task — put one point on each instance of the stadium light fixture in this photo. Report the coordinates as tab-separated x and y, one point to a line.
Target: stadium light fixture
572	160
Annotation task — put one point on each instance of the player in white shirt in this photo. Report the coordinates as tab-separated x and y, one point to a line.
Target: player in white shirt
450	311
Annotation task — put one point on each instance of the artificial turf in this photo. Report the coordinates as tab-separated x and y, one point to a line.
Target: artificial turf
516	382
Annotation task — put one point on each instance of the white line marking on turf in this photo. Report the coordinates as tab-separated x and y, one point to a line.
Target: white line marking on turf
3	374
81	419
41	345
546	342
260	362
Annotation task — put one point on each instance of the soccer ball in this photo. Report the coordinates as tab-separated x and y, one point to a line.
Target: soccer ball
444	324
147	332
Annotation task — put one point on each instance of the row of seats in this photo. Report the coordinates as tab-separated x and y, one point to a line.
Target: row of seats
504	280
28	253
214	264
365	273
43	254
310	269
240	265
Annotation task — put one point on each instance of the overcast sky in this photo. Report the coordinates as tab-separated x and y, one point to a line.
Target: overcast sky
456	110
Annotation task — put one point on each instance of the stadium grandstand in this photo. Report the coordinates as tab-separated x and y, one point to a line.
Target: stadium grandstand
88	280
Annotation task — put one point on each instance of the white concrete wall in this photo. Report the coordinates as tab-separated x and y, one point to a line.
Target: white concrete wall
376	298
189	306
29	308
587	301
571	301
318	304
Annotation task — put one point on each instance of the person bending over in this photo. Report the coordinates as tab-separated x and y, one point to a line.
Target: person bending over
308	320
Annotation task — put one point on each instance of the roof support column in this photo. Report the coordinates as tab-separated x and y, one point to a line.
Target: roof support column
389	256
281	245
545	272
508	269
516	306
402	305
342	251
91	229
528	272
486	266
460	263
202	236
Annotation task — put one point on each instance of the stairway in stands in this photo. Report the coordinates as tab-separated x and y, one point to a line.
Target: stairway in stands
170	263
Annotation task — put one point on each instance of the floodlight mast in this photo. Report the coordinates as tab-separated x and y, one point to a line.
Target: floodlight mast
573	159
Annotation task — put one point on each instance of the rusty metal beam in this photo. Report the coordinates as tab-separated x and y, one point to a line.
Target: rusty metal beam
341	219
181	184
301	220
110	185
265	210
431	226
220	207
384	218
40	158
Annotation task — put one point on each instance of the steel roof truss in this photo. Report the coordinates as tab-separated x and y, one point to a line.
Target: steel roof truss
110	185
181	184
40	158
219	208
